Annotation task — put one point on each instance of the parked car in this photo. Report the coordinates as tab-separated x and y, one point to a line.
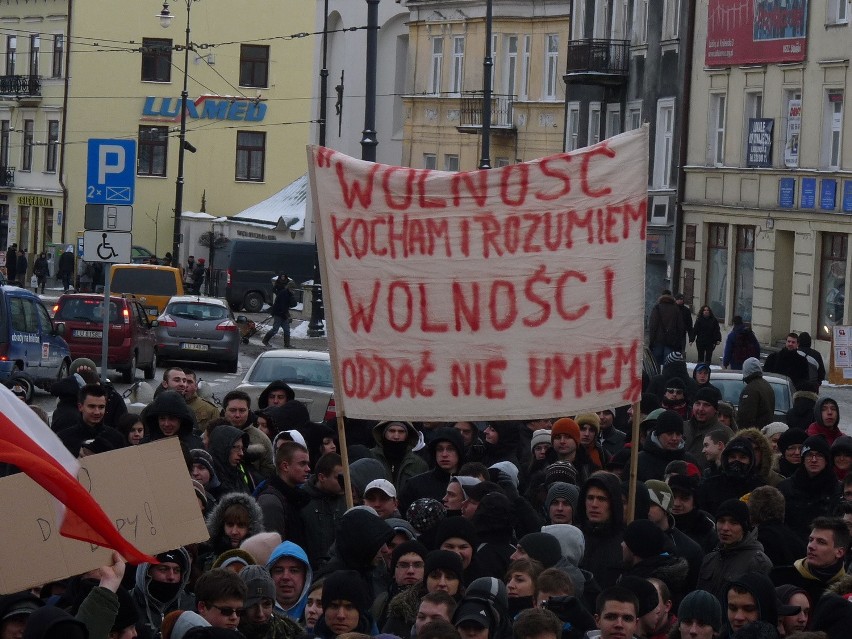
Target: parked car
152	285
731	384
199	329
30	341
140	255
131	332
308	373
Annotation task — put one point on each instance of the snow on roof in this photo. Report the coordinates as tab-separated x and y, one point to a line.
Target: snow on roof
286	208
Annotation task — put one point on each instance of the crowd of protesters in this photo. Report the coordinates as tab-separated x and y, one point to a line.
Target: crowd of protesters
469	530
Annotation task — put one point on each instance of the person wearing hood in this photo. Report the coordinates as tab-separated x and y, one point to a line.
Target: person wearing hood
708	334
701	376
790	451
501	442
841	456
678	543
699	616
766	510
801	413
826	420
738	553
738	476
674	366
51	622
277	393
362	473
359	537
666	329
170	416
816	365
493	524
763	456
485	605
227	447
290	570
235	518
756	407
664	446
259	621
346	607
236	408
644	555
813	490
327	504
740	344
395	442
160	589
600	516
282	499
751	602
446	450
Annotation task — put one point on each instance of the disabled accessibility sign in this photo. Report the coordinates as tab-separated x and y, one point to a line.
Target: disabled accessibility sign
107	246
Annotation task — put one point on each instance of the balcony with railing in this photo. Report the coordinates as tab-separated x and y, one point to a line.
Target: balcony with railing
7	176
592	61
20	87
470	117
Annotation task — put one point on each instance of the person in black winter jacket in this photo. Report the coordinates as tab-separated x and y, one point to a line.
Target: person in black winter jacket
168	416
801	413
446	450
790	449
708	334
690	519
281	311
493	524
67	391
674	366
664	445
766	509
738	476
600	515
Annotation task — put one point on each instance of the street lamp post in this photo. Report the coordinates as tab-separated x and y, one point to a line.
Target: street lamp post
165	20
369	140
488	64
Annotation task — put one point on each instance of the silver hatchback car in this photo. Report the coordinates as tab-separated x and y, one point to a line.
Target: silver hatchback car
198	329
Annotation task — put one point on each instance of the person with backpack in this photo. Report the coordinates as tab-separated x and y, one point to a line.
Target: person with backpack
666	330
740	344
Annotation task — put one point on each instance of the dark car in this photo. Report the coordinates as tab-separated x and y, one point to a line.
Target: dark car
198	329
131	333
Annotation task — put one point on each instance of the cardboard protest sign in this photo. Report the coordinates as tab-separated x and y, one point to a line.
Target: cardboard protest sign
145	490
509	293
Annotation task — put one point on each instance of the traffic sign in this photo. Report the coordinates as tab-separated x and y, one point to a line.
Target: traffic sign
111	172
107	246
108	217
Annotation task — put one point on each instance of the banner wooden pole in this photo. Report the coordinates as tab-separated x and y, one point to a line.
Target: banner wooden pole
344	456
634	463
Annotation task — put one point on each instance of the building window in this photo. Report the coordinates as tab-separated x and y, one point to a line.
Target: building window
671	19
156	60
52	145
572	130
634	115
430	161
690	232
501	162
594	123
152	149
254	65
58	55
716	143
792	118
663	144
832	129
601	26
35	48
640	23
27	158
744	272
578	20
551	67
837	12
832	282
717	269
613	120
451	162
4	143
457	70
525	68
437	65
251	151
11	54
620	26
511	65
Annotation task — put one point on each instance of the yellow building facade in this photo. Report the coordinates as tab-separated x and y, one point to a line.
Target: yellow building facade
249	94
446	52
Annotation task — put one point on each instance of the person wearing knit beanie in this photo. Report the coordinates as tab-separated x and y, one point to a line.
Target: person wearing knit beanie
699	610
344	587
816	444
590	426
561	471
841	456
790	448
773	432
443	567
643	539
661	494
561	502
668	422
412	555
563	432
457	534
737	511
540	438
541	546
645	592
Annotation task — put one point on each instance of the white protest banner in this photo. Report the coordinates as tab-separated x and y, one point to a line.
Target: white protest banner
509	293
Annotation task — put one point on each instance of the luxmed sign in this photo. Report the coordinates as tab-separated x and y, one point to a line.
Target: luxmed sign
206	107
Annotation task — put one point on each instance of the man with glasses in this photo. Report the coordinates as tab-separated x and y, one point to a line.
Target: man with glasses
674	398
220	596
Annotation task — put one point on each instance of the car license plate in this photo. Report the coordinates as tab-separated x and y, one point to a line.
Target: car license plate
152	310
194	347
95	334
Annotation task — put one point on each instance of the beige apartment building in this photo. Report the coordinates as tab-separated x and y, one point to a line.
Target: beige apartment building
442	112
768	192
109	70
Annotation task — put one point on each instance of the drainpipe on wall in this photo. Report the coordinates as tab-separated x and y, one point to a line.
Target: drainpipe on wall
62	184
686	52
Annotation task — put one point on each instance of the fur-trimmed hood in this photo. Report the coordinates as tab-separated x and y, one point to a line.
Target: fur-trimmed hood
842	586
760	444
215	520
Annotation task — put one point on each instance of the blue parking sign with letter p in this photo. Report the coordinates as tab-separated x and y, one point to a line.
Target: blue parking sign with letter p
111	172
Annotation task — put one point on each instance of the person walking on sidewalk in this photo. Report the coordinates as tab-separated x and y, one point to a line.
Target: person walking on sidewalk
284	301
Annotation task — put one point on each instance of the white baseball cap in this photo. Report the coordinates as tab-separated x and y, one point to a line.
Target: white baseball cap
381	484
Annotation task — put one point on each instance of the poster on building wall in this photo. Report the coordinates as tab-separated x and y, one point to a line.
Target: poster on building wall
755	31
759	142
794	129
503	294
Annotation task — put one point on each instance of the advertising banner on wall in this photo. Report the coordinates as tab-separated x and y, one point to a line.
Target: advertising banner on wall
759	144
794	129
756	31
